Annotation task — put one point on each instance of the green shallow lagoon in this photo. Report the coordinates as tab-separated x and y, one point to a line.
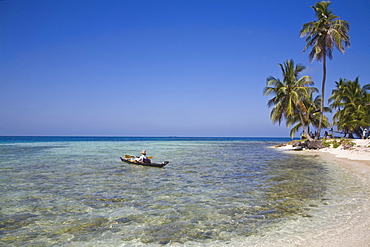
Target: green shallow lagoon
65	192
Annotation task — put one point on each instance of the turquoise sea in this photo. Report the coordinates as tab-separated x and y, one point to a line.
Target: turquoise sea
75	191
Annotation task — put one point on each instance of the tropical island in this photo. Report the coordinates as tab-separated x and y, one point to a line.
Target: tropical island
346	138
87	74
293	96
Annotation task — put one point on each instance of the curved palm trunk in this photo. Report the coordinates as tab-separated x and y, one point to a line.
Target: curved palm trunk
322	97
304	126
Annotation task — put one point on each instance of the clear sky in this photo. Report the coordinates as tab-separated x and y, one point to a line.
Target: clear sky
158	67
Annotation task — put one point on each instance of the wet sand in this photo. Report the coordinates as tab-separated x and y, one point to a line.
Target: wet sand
336	229
355	229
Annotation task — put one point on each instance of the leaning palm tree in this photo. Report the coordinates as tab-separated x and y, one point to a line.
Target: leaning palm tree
313	115
323	34
289	94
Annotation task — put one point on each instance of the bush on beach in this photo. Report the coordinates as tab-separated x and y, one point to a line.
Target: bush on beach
319	144
335	143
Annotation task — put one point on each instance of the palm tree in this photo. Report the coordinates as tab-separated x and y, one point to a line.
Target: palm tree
323	34
289	94
350	100
313	115
338	94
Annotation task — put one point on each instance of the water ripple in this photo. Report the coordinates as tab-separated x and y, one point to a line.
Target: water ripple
55	193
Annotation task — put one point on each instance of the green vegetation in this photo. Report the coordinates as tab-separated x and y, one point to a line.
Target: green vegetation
350	100
335	143
290	95
293	98
312	116
323	34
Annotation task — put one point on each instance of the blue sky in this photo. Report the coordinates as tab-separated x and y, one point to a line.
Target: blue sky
158	68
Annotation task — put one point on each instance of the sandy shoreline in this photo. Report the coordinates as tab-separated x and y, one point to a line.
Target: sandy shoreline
354	231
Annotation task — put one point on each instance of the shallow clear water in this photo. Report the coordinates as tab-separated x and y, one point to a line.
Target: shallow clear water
59	191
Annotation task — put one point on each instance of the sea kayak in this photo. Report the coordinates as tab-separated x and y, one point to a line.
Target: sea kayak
145	164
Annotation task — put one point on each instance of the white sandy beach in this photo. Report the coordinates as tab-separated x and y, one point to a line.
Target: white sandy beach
354	230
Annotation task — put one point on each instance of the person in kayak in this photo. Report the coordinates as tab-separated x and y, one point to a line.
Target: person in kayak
143	158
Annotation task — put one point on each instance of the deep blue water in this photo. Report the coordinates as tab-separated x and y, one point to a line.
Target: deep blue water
17	139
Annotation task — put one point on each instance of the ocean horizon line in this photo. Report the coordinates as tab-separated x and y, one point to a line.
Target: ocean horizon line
10	139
